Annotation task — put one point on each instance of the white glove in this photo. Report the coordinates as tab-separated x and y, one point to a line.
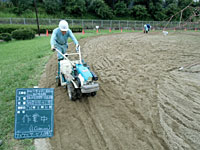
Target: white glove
77	48
53	48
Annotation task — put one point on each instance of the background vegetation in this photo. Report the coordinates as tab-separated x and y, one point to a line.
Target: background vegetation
9	28
98	9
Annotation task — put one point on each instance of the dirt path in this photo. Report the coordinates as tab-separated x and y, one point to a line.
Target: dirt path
144	102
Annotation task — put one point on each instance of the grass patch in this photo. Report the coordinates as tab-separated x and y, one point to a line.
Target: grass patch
21	65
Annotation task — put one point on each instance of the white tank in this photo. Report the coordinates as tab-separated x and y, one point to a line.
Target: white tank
65	67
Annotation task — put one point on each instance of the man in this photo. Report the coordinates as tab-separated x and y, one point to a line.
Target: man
59	39
145	29
60	36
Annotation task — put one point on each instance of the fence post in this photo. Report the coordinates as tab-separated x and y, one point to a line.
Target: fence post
135	26
92	24
127	24
110	23
82	23
10	21
119	25
189	25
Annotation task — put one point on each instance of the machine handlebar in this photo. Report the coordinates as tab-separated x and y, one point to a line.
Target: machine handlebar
70	54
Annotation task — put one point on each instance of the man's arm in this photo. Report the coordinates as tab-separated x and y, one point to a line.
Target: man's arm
53	37
73	37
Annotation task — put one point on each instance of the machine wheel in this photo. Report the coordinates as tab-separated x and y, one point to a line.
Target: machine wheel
71	92
58	81
78	94
93	93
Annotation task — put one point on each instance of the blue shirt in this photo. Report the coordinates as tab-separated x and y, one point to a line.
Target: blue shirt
57	38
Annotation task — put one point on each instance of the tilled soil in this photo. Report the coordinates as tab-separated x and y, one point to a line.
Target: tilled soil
146	100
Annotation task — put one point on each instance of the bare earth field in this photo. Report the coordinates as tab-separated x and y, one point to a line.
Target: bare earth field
145	101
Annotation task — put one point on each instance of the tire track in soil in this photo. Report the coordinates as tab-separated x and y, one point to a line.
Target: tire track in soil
143	103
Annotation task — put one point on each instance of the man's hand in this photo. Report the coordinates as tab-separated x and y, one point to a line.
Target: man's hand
77	48
53	48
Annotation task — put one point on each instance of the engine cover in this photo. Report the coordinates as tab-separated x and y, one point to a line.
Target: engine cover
84	71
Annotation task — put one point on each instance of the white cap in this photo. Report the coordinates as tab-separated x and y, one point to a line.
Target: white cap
63	25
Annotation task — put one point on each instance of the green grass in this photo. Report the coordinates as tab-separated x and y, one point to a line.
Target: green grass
21	65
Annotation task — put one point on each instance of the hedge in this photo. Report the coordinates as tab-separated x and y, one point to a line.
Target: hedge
23	34
8	28
5	37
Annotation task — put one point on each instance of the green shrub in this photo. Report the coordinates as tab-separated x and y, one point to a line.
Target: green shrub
23	34
8	28
101	9
5	37
121	9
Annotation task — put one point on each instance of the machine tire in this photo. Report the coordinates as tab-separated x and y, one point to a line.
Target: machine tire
78	93
71	92
93	94
58	81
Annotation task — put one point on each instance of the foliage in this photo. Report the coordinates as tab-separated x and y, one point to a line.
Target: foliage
20	6
139	12
5	37
171	10
101	9
51	6
121	9
169	2
74	7
157	12
8	28
182	4
23	34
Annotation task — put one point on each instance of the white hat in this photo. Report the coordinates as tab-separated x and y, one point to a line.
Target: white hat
63	25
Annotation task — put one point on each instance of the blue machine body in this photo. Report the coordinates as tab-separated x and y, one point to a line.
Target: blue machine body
84	71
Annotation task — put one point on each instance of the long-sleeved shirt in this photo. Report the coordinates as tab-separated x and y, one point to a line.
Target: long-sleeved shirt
58	38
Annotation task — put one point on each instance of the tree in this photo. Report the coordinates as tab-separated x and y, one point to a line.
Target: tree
78	7
21	5
139	12
156	10
120	9
74	7
183	4
101	9
142	2
51	6
169	2
171	10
